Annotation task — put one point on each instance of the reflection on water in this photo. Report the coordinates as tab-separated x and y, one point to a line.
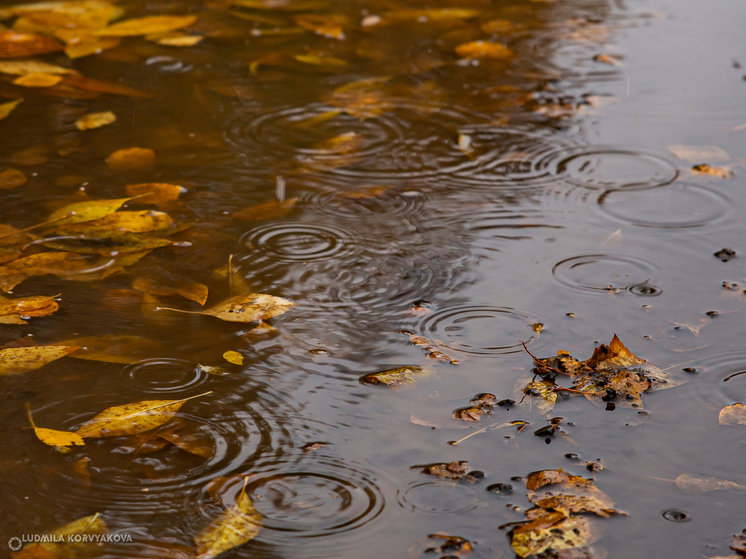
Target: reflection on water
429	184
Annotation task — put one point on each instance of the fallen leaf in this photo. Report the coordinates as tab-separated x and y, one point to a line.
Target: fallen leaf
24	67
329	25
11	178
80	212
720	172
235	526
154	192
430	347
131	419
96	86
106	243
57	263
14	309
95	120
441	543
435	14
454	471
143	221
540	393
569	494
693	485
739	543
734	414
130	159
610	59
146	26
362	98
52	437
196	292
52	549
50	16
310	447
7	108
175	39
80	470
233	357
196	443
246	308
483	49
113	348
38	80
394	378
498	26
15	45
551	530
19	360
269	210
84	44
319	60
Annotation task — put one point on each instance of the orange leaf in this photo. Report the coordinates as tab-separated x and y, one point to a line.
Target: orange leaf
130	159
14	44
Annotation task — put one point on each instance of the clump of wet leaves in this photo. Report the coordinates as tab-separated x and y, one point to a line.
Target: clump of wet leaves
612	376
560	518
441	545
454	471
430	347
480	405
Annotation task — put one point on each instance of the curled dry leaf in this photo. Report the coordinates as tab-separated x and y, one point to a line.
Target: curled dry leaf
11	310
483	49
19	360
233	357
693	484
38	80
95	120
7	108
146	26
132	419
235	526
16	45
154	192
52	548
734	414
394	378
11	178
131	159
113	348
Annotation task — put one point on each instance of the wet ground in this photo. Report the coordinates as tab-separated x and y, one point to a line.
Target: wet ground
463	198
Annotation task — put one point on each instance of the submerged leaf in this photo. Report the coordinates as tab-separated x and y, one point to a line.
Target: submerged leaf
7	108
130	159
329	25
113	348
11	178
38	80
54	547
248	308
693	484
95	120
146	26
196	292
24	67
57	263
197	443
431	348
569	494
551	530
19	360
734	414
15	45
131	419
154	192
393	378
11	310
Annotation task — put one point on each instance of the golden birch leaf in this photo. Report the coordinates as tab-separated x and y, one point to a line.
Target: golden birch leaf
483	49
154	192
146	26
143	221
7	108
23	67
58	263
38	80
131	419
11	178
733	415
85	45
52	437
131	159
27	307
233	357
95	120
19	360
87	211
235	526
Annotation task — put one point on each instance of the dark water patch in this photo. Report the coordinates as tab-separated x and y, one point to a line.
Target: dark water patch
163	376
597	273
299	242
437	498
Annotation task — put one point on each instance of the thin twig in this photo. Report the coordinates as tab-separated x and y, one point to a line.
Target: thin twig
542	365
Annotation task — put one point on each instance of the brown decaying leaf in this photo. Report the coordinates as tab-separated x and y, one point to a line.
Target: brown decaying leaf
394	378
269	210
7	108
131	159
431	348
483	49
95	120
551	530
441	543
146	26
113	348
154	192
38	80
693	484
235	526
93	524
11	310
11	178
19	360
734	414
16	45
453	471
131	419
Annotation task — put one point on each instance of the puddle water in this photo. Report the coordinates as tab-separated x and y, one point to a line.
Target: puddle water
432	190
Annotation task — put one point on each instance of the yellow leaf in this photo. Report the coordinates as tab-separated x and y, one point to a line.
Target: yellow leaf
11	178
93	524
720	172
112	348
246	308
233	357
52	437
87	211
50	16
235	526
435	14
95	120
85	44
175	39
131	419
329	26
319	60
130	159
146	26
483	49
7	108
23	67
157	192
133	222
19	360
15	45
269	210
26	307
41	264
38	80
106	243
733	415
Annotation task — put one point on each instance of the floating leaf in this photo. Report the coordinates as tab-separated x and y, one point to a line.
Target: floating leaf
86	14
394	378
57	263
84	44
19	360
52	546
442	544
551	530
734	414
268	210
146	26
52	437
247	308
133	222
569	494
15	45
196	292
235	526
95	120
175	39
455	471
154	192
106	243
38	80
7	108
11	178
11	310
536	393
329	25
131	419
80	212
24	67
720	172
693	484
233	357
483	49
113	348
131	159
